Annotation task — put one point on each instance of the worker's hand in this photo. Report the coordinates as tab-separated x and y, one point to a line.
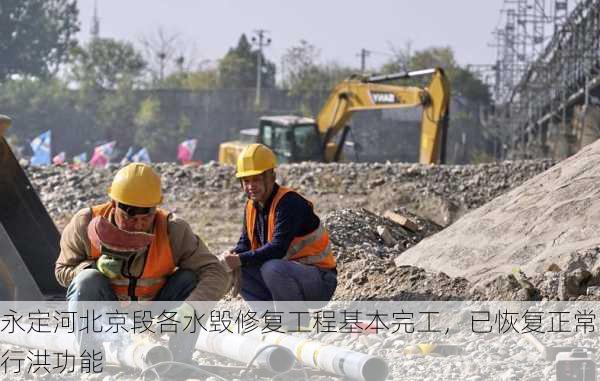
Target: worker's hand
184	315
109	267
233	261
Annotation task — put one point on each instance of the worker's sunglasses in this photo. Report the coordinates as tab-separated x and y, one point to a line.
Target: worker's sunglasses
135	210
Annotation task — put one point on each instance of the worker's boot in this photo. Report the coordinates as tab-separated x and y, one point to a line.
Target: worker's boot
182	345
183	370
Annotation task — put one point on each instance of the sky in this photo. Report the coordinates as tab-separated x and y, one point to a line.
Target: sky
338	28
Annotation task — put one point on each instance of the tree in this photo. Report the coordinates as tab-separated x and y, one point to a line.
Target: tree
167	55
238	68
462	80
309	80
107	72
36	36
157	133
104	63
299	61
37	106
202	79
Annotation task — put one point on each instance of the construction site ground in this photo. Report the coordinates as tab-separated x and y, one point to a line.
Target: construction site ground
523	230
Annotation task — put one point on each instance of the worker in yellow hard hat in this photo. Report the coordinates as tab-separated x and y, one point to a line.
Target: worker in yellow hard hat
284	250
129	249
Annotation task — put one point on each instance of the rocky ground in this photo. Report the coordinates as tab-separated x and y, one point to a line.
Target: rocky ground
354	202
351	199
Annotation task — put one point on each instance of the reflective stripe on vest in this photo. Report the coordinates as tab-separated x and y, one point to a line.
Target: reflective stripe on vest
159	262
312	249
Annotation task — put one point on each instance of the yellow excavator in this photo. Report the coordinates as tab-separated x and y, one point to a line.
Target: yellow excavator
296	139
29	240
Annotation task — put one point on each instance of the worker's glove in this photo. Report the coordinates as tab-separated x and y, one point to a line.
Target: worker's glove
184	314
109	267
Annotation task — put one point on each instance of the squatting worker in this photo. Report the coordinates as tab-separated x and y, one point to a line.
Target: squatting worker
284	249
165	260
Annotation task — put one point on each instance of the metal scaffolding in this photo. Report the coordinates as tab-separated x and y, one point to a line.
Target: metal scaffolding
539	79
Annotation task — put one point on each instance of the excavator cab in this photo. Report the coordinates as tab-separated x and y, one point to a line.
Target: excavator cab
293	139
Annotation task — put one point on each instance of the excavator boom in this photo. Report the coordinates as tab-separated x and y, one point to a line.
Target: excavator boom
370	93
29	240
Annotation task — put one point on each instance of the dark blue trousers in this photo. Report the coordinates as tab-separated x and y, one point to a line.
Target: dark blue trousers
278	283
91	286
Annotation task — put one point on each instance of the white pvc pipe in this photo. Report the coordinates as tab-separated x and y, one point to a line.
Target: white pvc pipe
137	355
343	362
243	348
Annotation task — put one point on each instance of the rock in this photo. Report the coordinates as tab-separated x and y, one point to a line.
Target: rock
553	268
386	236
593	291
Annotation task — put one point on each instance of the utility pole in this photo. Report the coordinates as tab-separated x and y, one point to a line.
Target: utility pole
95	28
364	53
161	57
261	41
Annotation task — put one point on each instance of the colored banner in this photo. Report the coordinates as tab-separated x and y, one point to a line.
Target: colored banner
41	149
186	149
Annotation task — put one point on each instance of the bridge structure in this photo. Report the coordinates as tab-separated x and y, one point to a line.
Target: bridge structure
547	89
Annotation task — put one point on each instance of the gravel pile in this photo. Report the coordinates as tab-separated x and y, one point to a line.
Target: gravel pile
359	227
351	198
64	189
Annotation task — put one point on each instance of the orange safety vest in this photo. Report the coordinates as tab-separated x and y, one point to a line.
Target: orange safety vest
311	249
158	266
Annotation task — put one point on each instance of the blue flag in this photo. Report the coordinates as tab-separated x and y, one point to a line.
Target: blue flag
41	149
142	156
80	159
128	158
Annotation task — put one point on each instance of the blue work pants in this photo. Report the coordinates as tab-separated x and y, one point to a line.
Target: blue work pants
280	282
90	285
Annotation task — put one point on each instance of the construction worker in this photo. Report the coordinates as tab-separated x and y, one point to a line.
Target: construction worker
128	249
284	250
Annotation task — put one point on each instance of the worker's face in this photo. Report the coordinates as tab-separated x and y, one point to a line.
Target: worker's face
259	187
134	219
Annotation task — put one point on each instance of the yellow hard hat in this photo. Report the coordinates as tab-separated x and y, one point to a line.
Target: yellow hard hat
254	160
136	184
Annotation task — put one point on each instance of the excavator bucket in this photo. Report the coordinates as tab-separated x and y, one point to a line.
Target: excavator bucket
29	240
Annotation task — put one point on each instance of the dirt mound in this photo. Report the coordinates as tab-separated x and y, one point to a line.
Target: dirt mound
550	220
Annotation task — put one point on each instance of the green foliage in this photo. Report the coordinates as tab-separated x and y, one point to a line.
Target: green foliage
157	133
36	36
107	72
193	80
104	63
472	88
462	81
299	61
237	69
115	113
37	106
